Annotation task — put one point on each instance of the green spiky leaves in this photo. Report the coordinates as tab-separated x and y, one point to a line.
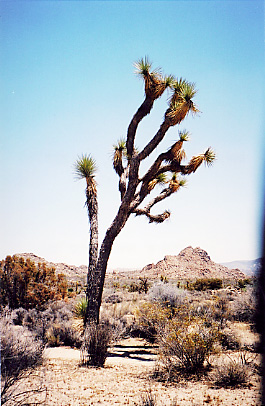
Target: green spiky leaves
85	168
160	179
143	67
175	182
119	153
209	156
181	102
155	83
184	135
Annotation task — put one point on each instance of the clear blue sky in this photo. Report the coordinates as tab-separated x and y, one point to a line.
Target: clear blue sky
68	87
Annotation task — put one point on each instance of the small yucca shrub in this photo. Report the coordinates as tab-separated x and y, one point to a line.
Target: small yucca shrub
96	342
80	308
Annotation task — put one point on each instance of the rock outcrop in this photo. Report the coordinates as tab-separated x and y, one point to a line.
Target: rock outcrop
190	263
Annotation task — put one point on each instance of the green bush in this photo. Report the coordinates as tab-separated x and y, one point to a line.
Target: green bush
206	284
142	286
242	283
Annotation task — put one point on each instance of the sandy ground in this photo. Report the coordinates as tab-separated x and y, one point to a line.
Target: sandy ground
125	378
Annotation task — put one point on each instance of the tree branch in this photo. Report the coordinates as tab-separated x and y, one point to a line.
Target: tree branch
143	111
157	218
155	140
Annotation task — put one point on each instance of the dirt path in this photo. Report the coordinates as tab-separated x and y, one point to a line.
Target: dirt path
124	378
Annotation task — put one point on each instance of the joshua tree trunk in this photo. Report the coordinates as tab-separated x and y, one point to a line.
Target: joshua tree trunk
133	188
92	206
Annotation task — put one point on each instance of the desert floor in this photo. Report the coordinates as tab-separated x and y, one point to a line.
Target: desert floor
125	379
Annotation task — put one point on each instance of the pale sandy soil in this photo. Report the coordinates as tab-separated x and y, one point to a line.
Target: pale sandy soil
124	378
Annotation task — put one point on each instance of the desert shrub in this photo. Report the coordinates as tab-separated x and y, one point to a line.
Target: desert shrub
243	308
120	317
167	295
233	373
96	341
141	286
63	334
206	283
150	318
23	284
242	283
184	346
20	354
54	326
220	310
228	340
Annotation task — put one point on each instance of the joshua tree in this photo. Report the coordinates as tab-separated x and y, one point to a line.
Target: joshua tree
167	169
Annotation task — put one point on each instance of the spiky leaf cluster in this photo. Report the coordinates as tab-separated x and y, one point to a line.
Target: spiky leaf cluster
155	83
119	153
208	157
85	168
160	179
181	102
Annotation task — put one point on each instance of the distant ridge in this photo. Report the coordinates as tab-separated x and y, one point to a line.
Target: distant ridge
191	263
250	268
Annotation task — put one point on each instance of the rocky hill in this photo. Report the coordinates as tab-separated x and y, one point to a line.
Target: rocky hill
72	272
190	263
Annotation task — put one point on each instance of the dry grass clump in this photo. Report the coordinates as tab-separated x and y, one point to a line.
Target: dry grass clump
231	374
147	399
96	342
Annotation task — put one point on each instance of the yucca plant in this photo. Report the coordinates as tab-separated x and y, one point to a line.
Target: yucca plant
85	168
81	308
134	188
176	153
